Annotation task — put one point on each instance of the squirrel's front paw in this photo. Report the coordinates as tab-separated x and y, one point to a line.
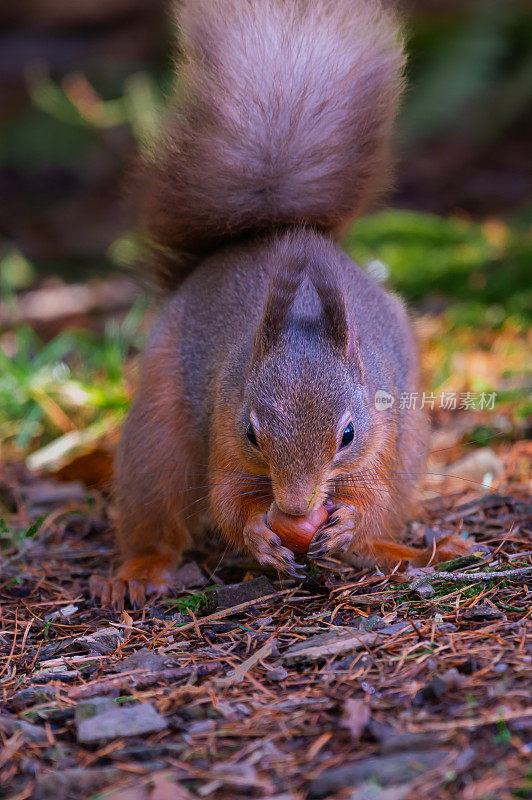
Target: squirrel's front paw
266	547
336	535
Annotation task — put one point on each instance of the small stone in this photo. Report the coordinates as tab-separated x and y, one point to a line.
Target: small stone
425	591
500	667
32	694
446	627
521	724
224	597
465	759
157	612
277	674
29	732
91	708
233	710
127	720
102	641
142	659
372	623
482	611
395	627
189	575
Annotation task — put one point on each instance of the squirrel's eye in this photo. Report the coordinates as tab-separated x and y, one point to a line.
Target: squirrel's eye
250	433
347	436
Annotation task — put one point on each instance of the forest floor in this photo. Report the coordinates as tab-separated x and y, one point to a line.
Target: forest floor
349	684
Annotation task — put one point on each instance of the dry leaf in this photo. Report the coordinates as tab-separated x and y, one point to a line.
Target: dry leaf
166	789
127	621
355	717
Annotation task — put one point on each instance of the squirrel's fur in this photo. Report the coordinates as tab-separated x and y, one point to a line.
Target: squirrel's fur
278	138
282	117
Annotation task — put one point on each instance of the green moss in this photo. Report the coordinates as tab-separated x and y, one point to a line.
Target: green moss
482	273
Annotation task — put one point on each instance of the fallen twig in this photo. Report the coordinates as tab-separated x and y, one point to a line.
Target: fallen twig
471	577
227	612
237	675
139	679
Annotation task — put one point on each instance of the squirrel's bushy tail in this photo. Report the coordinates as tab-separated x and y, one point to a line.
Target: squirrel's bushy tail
282	117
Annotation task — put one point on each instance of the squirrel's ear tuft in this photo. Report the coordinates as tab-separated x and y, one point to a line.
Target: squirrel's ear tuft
281	294
332	302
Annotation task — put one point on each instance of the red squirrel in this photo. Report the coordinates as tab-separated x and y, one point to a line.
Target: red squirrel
260	374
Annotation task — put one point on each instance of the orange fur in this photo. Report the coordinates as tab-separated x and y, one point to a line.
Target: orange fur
390	554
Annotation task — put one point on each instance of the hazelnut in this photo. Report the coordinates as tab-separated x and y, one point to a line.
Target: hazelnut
296	532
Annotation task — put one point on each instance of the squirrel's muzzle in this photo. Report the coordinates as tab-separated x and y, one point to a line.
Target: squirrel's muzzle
297	501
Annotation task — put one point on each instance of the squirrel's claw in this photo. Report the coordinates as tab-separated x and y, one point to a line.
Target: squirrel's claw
317	551
136	578
297	571
265	546
107	592
112	592
336	535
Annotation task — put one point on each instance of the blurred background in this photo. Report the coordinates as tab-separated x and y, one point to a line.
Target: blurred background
81	90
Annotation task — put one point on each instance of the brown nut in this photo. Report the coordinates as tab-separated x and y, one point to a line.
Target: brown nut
296	532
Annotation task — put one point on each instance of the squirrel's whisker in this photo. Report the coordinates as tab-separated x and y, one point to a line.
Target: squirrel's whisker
395	476
247	482
262	496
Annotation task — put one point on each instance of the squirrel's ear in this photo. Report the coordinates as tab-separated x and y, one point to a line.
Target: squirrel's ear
332	302
281	294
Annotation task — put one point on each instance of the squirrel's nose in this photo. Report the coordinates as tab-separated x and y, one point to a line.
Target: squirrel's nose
293	509
295	502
